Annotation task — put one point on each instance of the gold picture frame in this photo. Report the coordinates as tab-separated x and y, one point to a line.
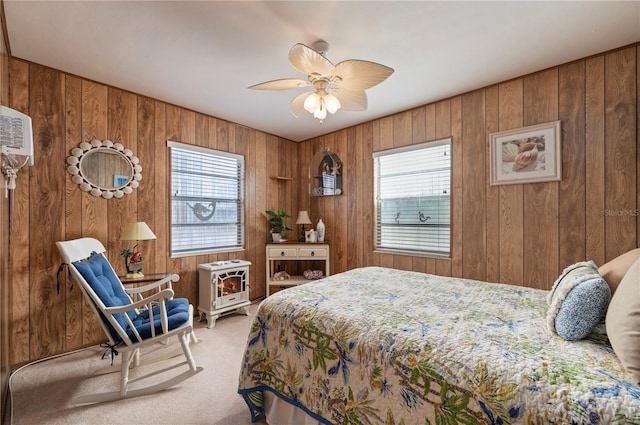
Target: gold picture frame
526	155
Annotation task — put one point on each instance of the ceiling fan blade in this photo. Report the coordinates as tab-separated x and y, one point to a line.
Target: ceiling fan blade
351	100
283	84
361	75
297	104
308	61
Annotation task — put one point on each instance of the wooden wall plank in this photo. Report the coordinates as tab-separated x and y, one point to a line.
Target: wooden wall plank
222	135
353	224
366	189
419	125
594	158
161	180
338	214
572	188
511	204
260	223
402	129
47	110
386	133
5	331
430	134
473	186
457	185
93	215
73	209
446	125
492	125
250	212
620	152
145	194
122	119
541	199
19	267
94	126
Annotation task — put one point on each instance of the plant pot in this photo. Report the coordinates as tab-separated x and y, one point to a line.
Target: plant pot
277	237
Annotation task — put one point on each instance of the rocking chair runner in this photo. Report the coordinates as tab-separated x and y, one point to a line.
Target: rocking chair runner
132	324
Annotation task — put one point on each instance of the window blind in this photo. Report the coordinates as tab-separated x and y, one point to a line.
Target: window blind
413	198
206	199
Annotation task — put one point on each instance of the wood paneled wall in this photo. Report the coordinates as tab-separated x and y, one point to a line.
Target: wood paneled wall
49	207
521	234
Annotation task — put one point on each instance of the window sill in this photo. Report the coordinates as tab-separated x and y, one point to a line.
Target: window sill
413	254
195	253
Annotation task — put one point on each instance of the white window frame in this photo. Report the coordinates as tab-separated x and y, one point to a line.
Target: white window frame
209	247
432	229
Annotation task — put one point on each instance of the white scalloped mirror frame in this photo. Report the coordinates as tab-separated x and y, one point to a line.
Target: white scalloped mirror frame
74	168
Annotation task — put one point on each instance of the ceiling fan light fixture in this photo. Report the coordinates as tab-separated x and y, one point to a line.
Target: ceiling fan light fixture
312	102
320	102
332	102
321	112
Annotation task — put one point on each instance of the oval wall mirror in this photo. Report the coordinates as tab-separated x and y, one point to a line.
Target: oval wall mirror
104	168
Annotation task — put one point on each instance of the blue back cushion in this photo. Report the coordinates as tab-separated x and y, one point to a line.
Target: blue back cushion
104	282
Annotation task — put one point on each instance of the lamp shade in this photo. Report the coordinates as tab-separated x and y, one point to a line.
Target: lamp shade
138	231
303	218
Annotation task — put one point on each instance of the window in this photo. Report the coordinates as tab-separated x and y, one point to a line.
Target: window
413	198
207	188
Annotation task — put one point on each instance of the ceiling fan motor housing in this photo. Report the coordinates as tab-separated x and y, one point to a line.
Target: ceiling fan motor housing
321	47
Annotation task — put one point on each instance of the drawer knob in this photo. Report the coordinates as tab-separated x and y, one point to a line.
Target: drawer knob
313	253
282	254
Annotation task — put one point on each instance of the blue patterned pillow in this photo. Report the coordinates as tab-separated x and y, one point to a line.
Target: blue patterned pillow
577	301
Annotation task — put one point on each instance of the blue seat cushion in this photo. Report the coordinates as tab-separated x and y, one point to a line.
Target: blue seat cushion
177	315
103	281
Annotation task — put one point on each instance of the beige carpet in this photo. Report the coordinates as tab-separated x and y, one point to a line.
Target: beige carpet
43	393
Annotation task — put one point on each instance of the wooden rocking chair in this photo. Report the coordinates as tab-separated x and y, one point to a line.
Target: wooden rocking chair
132	324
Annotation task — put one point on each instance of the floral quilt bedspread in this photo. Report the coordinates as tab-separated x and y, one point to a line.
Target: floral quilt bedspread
383	346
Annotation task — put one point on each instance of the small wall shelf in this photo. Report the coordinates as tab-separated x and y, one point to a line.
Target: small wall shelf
281	179
325	174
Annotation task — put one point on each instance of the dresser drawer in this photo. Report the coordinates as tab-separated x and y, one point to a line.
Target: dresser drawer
312	252
275	253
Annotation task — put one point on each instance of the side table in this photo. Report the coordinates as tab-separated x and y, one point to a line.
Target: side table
132	283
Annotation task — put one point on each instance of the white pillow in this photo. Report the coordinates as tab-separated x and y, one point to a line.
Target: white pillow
623	322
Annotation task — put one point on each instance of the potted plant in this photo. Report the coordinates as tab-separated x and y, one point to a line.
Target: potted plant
278	227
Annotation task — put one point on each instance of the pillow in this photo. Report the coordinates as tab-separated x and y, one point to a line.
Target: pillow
577	301
614	270
623	322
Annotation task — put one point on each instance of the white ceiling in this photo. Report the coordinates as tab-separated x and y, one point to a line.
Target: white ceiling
203	55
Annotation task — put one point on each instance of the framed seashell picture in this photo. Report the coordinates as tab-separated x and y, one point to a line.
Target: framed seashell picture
526	155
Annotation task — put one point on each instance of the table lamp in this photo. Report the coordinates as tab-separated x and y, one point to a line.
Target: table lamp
138	231
303	218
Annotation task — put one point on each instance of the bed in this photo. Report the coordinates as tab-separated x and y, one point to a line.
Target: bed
382	346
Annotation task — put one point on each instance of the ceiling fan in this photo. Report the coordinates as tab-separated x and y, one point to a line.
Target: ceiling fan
335	87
